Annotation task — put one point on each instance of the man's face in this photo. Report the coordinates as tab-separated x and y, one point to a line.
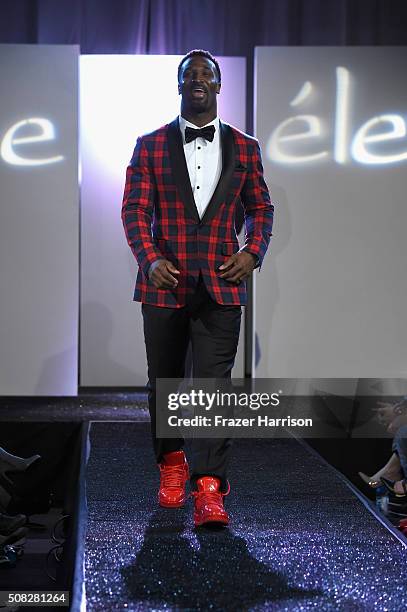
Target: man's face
199	84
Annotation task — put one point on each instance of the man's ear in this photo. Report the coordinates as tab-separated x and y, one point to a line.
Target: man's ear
218	88
179	88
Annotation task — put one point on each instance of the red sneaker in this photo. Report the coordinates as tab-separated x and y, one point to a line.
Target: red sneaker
173	475
403	526
209	502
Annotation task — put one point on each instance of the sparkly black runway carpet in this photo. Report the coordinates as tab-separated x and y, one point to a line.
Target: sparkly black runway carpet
299	539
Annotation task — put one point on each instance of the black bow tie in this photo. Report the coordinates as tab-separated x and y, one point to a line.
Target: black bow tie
206	132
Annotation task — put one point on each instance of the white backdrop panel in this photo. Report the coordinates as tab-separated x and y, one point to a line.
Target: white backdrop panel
122	97
39	220
332	124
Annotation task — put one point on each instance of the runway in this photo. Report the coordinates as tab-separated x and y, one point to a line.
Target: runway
300	538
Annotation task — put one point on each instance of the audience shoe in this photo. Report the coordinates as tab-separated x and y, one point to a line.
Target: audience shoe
17	537
389	484
208	499
173	475
9	524
12	463
395	508
370	480
5	498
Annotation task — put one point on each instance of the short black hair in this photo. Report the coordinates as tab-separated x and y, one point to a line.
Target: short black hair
202	52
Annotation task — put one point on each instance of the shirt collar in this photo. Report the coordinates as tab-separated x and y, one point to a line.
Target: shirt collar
183	123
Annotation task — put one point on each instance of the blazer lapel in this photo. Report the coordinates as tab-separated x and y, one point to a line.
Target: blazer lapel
179	168
228	164
181	176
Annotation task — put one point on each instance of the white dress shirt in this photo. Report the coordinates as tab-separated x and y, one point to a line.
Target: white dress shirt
204	163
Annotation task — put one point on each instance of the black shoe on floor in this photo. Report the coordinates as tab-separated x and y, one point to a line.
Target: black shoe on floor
13	538
9	524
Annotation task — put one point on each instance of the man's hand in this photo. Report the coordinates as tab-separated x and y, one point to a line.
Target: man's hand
238	267
161	274
385	412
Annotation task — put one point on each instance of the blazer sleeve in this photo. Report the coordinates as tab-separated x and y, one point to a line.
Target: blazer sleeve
258	209
138	207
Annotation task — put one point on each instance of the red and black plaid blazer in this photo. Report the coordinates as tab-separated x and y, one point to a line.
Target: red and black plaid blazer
161	220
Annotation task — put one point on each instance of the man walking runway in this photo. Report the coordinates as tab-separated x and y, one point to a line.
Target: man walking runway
182	187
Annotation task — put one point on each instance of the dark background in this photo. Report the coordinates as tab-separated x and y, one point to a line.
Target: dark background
224	27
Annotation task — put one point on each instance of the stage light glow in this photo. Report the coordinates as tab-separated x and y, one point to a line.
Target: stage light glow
314	130
342	114
362	138
10	140
304	92
123	97
343	145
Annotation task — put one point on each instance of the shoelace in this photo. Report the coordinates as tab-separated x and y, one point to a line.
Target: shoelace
173	476
211	496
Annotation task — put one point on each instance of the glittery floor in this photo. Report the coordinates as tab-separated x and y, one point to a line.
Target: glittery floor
102	406
299	538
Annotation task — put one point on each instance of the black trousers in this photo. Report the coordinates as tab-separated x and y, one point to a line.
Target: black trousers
213	330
